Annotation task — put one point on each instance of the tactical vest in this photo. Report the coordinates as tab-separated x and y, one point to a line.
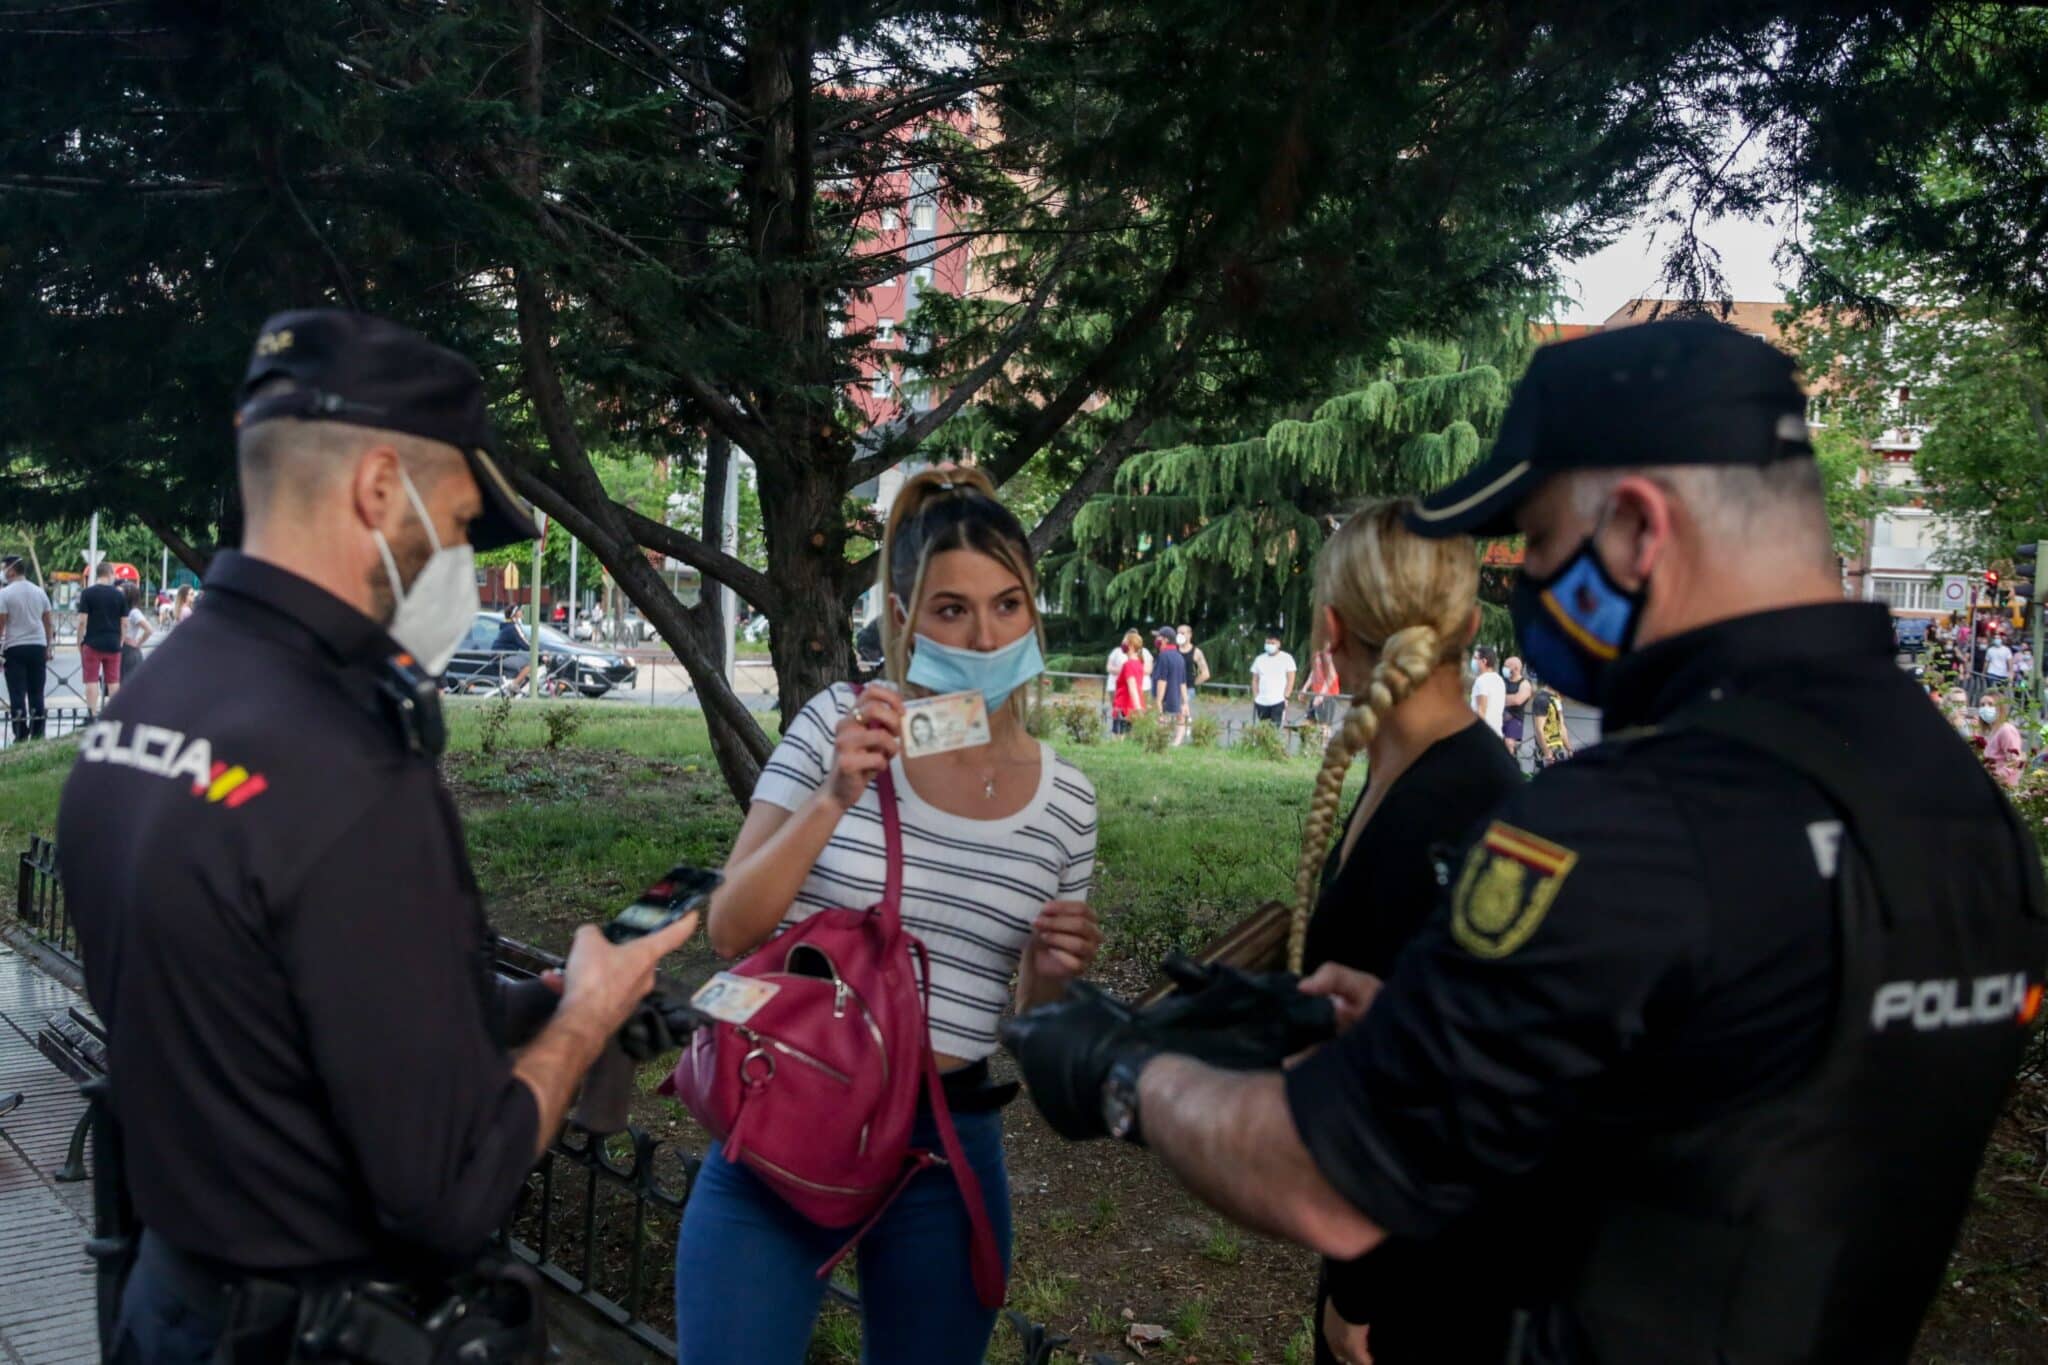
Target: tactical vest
1814	1226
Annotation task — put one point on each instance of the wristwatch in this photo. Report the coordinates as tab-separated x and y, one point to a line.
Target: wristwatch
1120	1096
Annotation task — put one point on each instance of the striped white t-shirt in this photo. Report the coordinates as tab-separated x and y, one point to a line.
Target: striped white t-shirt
971	888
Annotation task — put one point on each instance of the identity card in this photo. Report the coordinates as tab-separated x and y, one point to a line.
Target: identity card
937	725
733	999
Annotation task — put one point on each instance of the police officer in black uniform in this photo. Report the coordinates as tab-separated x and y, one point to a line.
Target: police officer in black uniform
277	915
1700	1012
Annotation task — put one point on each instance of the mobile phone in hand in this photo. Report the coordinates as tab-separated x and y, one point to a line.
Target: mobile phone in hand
680	890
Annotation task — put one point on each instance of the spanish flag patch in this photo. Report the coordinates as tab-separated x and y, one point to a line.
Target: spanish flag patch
1509	880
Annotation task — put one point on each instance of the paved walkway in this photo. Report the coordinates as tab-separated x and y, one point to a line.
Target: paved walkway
46	1285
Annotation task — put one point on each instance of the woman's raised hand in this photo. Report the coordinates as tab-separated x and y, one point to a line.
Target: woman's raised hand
868	737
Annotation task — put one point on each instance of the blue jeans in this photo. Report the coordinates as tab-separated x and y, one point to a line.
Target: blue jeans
747	1289
158	1324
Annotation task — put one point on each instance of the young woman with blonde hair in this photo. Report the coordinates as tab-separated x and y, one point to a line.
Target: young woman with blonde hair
998	848
1397	614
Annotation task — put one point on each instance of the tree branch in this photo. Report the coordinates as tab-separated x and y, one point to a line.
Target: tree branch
749	583
173	542
900	436
1122	438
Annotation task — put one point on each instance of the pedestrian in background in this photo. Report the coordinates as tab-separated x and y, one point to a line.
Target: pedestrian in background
1127	687
1515	705
1170	685
102	610
2005	753
1489	693
1321	687
135	631
181	606
25	646
1198	664
1272	682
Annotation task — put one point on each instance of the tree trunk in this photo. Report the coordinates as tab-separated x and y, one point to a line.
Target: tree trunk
812	638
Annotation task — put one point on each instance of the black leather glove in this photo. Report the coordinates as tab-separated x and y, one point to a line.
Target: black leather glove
1220	1015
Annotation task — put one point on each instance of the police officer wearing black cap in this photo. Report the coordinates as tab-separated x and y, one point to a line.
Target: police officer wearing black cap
1698	1022
277	916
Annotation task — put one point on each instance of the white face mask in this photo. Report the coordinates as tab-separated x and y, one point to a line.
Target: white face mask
435	612
1272	648
1987	714
1184	640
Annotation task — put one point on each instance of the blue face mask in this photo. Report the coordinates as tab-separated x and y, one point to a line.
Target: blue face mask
1574	624
995	674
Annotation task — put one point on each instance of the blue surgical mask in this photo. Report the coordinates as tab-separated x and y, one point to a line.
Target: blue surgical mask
995	673
1574	624
1987	714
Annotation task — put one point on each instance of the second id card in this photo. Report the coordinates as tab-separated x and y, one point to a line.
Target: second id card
733	999
937	725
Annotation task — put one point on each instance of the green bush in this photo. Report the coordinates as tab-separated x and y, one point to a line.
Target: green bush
1263	739
1082	722
562	722
1154	736
490	735
1203	732
1041	721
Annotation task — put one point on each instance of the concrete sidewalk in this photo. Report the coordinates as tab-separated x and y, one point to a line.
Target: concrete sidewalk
47	1314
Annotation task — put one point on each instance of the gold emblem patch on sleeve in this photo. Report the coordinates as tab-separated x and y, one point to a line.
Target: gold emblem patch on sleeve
1509	880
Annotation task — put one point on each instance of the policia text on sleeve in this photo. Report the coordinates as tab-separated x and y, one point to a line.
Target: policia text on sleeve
1699	1013
278	920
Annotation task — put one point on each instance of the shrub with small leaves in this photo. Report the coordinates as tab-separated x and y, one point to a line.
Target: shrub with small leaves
562	723
1262	739
1041	721
1203	732
1153	735
490	736
1083	723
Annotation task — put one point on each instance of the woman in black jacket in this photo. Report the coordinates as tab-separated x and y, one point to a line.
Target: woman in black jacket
1398	614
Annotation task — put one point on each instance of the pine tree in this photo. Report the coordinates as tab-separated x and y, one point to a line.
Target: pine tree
1224	534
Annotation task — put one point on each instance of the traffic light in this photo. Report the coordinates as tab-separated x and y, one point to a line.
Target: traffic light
1991	586
2026	572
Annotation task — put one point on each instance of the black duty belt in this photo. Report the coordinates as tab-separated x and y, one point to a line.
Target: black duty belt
973	1089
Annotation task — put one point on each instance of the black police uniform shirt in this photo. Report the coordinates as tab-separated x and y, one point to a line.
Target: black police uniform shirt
1639	941
281	932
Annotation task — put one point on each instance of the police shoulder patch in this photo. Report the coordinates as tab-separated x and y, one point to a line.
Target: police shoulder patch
1510	878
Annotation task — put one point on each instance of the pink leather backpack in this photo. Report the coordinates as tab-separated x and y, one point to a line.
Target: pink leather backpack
817	1091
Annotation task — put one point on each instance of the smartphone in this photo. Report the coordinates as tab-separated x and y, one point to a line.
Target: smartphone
680	890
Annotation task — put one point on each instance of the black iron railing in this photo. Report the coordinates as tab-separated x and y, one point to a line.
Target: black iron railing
598	1218
39	899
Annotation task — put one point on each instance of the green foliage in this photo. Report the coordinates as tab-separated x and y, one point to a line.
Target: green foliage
1262	739
1042	721
1150	733
497	718
1224	535
1082	722
562	723
1203	732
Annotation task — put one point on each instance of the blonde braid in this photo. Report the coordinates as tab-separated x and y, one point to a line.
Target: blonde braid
1406	659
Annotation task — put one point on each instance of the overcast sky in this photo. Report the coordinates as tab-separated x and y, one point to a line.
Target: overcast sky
1632	266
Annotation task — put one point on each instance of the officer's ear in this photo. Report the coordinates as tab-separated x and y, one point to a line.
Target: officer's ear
376	491
1638	528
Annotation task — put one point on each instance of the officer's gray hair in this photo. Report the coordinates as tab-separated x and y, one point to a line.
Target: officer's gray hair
288	455
1776	511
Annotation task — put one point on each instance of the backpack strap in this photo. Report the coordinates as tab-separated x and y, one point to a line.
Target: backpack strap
985	1261
891	906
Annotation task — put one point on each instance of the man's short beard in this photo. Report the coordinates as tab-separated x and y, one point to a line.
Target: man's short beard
411	550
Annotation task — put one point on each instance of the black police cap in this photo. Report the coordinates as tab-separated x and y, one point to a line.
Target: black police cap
366	371
1684	391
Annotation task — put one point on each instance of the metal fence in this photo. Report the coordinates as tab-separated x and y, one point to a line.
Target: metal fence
598	1218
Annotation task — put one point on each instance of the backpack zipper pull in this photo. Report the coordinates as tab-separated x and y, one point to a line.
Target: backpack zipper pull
839	994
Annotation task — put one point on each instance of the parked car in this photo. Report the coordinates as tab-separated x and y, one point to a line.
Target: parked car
1909	635
591	669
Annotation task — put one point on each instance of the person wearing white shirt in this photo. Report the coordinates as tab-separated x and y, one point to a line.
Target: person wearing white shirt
1998	661
25	646
1489	692
1272	682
